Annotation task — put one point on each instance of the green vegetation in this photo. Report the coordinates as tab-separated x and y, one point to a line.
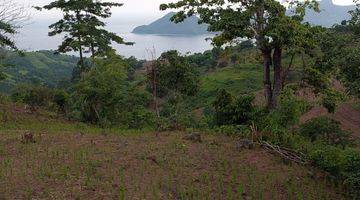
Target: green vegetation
196	126
39	68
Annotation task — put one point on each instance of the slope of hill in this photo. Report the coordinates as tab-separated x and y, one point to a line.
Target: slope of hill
238	79
41	67
330	14
68	160
164	26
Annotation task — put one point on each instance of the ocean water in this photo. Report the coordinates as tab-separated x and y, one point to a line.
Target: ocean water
34	37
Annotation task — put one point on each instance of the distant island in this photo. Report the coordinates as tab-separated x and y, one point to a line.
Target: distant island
164	26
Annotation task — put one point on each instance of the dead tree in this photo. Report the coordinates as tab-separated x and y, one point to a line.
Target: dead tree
151	72
14	13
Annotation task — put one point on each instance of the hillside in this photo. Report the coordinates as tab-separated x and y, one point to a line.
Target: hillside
70	160
164	26
238	79
41	67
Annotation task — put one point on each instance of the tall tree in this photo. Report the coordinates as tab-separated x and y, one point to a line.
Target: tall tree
265	21
84	31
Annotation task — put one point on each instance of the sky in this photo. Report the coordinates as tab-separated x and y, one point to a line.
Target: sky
133	8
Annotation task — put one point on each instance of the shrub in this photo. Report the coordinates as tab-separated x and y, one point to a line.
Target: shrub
34	96
352	172
328	158
289	110
233	111
40	96
352	182
4	99
61	99
331	99
104	96
178	113
343	164
325	129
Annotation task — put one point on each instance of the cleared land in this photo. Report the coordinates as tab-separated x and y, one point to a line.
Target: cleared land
75	161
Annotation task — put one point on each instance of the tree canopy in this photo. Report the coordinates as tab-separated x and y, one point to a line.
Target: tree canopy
83	28
265	21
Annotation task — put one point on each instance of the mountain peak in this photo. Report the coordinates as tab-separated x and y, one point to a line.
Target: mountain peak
164	26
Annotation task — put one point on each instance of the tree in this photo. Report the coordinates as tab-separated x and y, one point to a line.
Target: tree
355	18
338	57
176	81
266	21
175	75
351	61
84	31
105	97
12	17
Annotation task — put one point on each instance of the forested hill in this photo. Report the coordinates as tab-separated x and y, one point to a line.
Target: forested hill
330	14
41	67
164	26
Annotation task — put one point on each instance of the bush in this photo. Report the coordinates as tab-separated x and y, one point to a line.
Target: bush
179	114
331	99
105	97
40	96
34	96
325	129
328	158
289	110
343	164
4	99
61	99
233	111
352	172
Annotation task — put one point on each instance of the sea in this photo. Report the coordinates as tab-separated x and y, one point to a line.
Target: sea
34	36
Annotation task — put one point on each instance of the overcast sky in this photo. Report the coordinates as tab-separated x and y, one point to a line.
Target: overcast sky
131	8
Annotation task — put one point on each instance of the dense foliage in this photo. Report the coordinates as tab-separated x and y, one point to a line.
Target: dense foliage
233	111
104	96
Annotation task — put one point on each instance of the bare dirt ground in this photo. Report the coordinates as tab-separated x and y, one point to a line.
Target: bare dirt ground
74	165
73	161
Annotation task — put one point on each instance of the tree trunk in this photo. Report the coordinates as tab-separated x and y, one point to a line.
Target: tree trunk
81	61
93	53
277	75
267	81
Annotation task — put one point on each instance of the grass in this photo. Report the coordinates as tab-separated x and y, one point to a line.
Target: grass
239	79
77	161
